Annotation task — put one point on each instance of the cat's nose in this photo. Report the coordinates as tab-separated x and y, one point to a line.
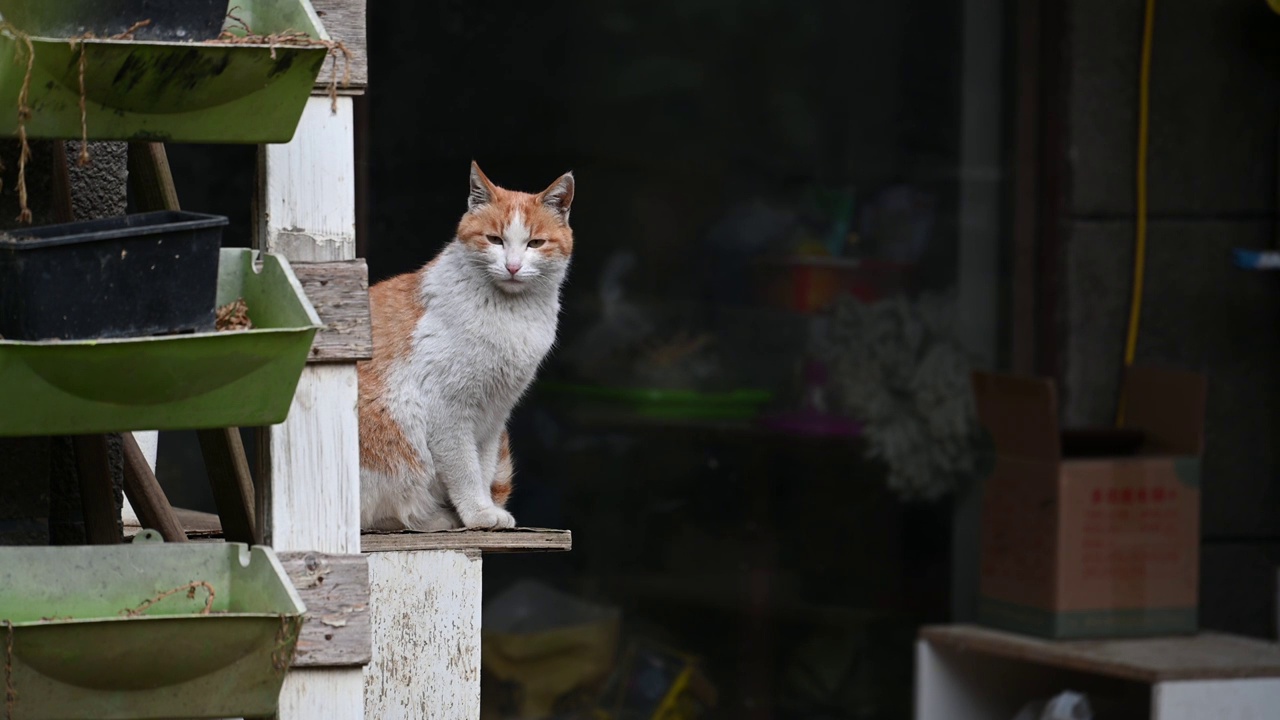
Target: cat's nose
513	268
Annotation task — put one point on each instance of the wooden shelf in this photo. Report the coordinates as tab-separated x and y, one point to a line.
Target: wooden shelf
486	541
1207	656
205	526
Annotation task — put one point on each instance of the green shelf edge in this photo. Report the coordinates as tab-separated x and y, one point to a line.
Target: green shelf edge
195	92
179	382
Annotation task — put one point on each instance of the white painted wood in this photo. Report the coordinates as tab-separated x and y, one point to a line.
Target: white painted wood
1236	699
426	635
939	695
316	694
971	684
307	202
309	494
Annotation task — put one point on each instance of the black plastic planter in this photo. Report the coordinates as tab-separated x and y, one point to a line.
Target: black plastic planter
131	276
171	20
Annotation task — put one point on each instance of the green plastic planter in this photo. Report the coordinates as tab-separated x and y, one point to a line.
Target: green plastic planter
197	92
175	382
78	653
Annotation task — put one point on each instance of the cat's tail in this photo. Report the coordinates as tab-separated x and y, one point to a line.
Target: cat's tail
502	479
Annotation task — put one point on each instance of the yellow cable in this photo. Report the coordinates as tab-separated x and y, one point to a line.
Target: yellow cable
1140	224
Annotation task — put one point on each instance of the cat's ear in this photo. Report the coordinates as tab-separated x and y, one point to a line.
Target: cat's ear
482	191
559	196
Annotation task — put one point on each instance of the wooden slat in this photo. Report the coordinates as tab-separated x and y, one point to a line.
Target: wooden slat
426	619
487	541
309	480
339	291
1207	656
101	516
344	20
232	485
150	179
335	589
306	188
145	494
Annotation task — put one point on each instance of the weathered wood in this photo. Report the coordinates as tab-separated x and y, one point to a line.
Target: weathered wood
339	291
521	540
145	494
62	206
150	179
306	188
1206	656
309	489
329	693
232	485
335	589
426	630
98	500
344	20
310	494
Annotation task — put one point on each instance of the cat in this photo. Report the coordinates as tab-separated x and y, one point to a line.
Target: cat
455	346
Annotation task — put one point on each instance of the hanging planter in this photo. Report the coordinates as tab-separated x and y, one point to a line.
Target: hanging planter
247	85
136	275
148	630
171	20
241	378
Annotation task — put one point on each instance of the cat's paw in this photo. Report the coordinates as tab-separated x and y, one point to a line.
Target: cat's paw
490	518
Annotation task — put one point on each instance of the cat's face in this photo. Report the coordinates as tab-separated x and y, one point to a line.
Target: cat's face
516	239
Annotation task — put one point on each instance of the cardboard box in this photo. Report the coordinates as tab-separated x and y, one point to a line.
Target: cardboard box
1092	533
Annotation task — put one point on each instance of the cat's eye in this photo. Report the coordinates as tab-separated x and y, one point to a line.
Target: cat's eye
494	239
537	242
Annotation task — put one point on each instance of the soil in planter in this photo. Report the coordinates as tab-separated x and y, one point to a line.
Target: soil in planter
233	316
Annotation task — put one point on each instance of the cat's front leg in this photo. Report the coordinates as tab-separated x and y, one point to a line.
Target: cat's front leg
458	463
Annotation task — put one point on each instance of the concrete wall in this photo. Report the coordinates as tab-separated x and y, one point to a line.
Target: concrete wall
1215	97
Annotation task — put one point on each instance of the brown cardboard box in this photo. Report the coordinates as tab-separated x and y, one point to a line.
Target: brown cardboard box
1092	533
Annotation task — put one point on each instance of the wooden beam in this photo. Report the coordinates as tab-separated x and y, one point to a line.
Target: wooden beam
306	203
150	178
426	630
344	20
232	484
339	291
486	541
145	494
309	472
98	500
335	588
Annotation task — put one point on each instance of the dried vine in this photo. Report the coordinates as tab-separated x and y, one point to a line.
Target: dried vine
190	587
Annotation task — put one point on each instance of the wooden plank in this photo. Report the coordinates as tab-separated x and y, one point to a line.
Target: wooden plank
97	499
1217	699
329	693
309	489
335	589
943	694
1207	656
344	20
426	630
145	494
307	188
233	492
339	291
310	494
487	541
150	179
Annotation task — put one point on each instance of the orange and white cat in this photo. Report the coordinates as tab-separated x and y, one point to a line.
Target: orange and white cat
455	345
